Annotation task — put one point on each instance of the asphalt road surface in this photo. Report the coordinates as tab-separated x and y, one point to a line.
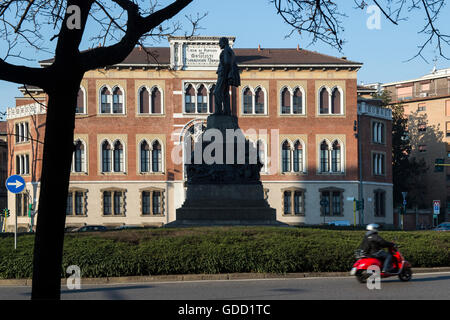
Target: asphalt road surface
422	286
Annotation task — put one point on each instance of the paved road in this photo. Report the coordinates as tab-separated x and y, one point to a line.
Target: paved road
422	286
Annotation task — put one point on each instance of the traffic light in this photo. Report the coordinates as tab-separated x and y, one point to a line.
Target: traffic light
7	213
438	165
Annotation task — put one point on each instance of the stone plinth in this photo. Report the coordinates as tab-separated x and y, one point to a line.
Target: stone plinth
229	192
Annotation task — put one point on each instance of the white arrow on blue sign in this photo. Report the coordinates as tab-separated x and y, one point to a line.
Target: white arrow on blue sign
15	184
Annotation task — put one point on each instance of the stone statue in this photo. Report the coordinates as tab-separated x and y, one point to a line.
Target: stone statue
227	75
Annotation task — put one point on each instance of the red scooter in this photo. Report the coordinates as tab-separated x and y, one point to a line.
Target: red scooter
400	267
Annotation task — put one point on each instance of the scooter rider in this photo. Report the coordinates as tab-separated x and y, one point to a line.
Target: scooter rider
373	245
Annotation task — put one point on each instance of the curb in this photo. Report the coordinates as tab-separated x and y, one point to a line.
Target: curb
206	277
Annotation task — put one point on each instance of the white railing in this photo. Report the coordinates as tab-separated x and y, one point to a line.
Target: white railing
24	111
374	111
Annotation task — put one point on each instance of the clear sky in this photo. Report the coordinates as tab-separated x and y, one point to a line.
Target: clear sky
254	22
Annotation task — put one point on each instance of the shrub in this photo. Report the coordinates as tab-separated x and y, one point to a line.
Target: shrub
218	250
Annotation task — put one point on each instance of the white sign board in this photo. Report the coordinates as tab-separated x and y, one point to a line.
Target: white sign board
201	55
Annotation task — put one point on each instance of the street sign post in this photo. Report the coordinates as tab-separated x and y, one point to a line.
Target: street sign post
15	184
436	207
404	194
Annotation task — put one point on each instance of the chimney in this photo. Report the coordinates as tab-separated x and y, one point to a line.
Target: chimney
298	47
259	47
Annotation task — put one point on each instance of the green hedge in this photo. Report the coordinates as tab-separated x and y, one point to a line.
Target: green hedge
218	250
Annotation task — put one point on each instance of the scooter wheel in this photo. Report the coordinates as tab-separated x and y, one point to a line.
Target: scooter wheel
362	276
406	274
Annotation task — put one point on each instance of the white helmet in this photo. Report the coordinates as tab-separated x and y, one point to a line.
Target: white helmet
372	227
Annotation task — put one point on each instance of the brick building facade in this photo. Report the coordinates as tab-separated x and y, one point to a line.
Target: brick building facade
134	119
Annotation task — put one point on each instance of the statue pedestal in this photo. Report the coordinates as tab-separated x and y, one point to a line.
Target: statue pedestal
225	193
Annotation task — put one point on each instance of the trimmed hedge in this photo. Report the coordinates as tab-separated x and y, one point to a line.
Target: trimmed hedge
218	250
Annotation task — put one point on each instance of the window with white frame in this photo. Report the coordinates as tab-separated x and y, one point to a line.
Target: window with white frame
118	157
79	157
81	102
117	100
151	157
378	132
254	101
378	163
331	157
105	100
292	157
23	164
112	101
112	156
199	97
22	132
292	101
150	100
331	101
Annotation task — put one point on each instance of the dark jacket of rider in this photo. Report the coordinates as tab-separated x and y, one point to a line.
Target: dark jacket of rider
373	243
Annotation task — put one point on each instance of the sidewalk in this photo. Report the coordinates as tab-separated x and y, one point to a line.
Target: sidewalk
210	277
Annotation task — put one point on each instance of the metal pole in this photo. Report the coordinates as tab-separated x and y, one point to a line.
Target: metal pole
361	196
15	232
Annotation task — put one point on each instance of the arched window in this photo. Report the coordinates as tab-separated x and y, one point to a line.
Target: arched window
105	98
211	99
117	101
145	157
118	157
336	157
189	97
248	101
298	157
144	101
106	157
286	157
324	157
259	101
285	101
79	157
80	102
324	101
336	101
156	157
297	102
202	100
156	101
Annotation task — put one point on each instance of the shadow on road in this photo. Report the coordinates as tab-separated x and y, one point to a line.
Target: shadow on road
439	278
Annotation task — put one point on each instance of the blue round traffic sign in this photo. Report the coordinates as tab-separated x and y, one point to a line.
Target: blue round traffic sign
15	184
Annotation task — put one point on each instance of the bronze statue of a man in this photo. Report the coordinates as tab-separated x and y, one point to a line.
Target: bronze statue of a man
227	75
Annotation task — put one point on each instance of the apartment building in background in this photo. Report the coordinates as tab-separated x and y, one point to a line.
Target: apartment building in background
134	120
426	102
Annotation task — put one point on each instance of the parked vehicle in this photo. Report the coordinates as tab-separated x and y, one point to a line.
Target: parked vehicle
90	229
445	226
128	226
340	223
400	267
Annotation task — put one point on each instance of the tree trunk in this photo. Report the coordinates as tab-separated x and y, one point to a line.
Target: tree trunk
55	176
